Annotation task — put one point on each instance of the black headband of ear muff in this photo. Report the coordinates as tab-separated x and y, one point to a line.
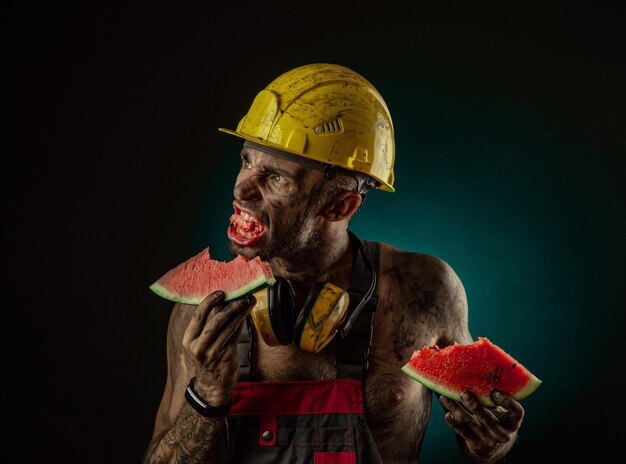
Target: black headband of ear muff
284	305
361	249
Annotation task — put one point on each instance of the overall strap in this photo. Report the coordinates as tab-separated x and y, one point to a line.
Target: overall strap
244	350
354	344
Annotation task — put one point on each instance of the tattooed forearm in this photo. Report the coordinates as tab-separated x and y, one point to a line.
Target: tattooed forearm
192	439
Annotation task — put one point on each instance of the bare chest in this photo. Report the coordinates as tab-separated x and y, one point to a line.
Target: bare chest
387	391
396	407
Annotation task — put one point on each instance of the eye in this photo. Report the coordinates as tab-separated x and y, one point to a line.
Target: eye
245	163
276	178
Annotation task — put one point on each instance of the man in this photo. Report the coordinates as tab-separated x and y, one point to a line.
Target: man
316	140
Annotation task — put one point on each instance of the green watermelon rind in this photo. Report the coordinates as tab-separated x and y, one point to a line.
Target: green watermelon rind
527	389
254	285
434	386
520	394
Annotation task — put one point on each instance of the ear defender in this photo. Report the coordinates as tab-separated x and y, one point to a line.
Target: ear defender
321	317
273	313
317	323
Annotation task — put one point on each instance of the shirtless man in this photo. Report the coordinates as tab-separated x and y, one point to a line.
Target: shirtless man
295	214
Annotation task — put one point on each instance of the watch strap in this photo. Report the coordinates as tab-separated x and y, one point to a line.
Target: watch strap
201	407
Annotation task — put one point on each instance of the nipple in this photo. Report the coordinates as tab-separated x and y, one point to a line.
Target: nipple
396	396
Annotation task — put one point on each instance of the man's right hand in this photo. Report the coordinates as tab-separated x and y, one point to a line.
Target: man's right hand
210	346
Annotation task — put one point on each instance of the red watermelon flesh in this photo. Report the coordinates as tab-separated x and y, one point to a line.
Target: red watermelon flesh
480	367
191	281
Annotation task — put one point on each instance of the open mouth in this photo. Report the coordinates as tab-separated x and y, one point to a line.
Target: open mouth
245	228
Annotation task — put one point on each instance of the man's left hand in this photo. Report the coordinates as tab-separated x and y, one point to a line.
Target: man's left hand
484	429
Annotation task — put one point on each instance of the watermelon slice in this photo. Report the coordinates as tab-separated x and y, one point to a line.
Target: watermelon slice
191	281
480	367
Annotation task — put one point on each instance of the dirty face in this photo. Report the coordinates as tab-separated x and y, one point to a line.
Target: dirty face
276	208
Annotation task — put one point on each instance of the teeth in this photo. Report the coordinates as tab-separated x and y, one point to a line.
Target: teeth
245	215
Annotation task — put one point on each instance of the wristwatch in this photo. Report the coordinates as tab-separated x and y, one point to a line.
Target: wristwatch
201	407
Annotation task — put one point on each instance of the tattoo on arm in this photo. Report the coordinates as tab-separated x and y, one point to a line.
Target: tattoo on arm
192	439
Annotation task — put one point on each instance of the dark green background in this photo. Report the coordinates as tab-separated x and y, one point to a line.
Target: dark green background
510	166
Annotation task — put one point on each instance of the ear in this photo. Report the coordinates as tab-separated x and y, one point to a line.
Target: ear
342	206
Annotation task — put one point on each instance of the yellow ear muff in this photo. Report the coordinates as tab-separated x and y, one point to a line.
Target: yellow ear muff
317	323
321	318
261	319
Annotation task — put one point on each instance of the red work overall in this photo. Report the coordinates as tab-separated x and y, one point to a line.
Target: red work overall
313	421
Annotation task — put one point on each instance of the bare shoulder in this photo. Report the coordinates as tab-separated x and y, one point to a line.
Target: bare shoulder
427	290
430	271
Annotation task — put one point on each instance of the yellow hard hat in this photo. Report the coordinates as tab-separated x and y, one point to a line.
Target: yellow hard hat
327	113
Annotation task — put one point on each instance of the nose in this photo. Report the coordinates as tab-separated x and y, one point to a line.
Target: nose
246	189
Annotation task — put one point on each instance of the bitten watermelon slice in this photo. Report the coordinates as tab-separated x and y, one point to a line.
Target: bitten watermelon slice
480	367
191	281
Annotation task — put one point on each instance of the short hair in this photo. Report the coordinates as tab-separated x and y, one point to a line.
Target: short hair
339	180
350	180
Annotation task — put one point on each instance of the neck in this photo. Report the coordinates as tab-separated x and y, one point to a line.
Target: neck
331	260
